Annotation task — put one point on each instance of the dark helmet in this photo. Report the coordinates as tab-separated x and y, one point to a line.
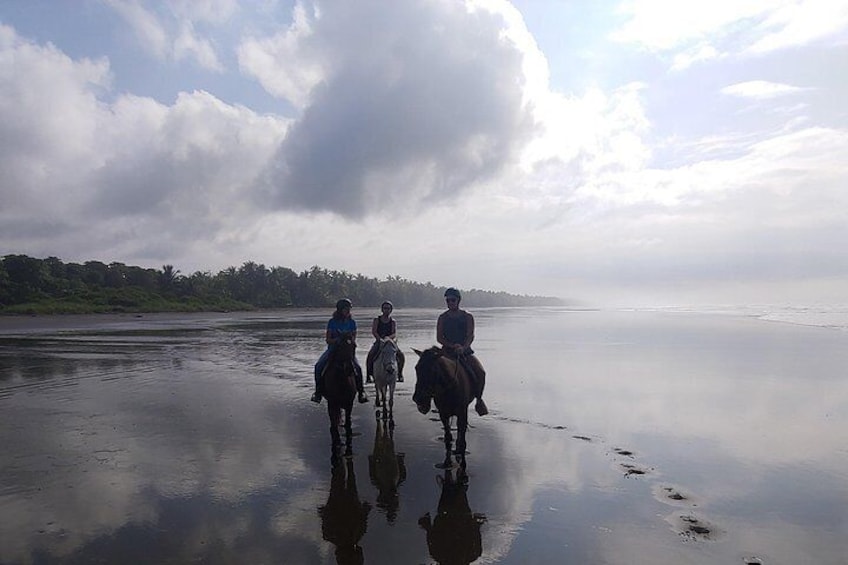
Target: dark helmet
344	303
453	292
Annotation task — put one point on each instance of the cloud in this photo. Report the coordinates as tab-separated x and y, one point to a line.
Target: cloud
284	64
401	101
188	45
798	23
172	35
149	32
698	32
132	174
760	89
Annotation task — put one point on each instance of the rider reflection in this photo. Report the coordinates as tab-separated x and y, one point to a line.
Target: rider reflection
344	518
387	470
453	537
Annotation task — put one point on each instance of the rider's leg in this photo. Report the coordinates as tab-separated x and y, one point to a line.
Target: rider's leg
319	370
480	381
369	362
358	376
401	358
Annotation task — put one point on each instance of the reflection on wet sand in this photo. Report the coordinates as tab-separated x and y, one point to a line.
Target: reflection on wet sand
344	518
453	537
614	438
387	469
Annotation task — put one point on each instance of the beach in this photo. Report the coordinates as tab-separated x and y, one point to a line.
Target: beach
614	437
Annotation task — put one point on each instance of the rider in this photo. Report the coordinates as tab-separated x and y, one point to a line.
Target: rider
341	322
455	333
383	326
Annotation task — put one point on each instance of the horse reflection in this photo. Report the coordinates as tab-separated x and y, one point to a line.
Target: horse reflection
344	518
453	537
387	470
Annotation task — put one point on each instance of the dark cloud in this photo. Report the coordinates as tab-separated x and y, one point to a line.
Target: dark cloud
419	99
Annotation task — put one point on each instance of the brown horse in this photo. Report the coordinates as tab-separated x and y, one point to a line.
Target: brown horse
443	380
340	386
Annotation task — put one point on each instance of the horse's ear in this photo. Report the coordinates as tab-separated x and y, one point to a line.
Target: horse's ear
416	352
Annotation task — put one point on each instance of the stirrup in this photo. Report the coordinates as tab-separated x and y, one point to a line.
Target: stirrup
362	398
316	398
400	378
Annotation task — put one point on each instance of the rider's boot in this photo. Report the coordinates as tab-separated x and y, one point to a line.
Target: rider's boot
316	396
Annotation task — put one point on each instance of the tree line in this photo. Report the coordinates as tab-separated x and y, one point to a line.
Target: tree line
33	286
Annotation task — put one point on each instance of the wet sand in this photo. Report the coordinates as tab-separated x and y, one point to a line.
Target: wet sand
614	437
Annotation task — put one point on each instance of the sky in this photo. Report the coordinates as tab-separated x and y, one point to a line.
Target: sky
628	152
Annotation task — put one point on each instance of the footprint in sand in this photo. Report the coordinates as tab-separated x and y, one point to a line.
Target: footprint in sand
692	527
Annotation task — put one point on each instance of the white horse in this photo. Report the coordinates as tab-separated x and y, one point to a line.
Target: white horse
385	376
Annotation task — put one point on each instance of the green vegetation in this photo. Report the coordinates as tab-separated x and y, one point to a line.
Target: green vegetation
49	286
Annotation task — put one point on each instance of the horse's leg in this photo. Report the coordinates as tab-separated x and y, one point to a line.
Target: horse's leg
347	426
334	412
377	402
461	428
448	440
391	400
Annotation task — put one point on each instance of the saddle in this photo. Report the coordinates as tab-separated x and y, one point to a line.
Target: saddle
451	365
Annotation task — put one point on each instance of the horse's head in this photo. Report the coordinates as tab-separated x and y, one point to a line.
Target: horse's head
388	356
344	347
426	377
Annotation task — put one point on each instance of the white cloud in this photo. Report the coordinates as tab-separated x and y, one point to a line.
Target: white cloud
703	31
663	25
285	64
696	54
798	23
760	89
172	35
147	28
188	45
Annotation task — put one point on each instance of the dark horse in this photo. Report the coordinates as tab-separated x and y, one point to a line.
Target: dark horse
453	536
340	386
444	380
344	518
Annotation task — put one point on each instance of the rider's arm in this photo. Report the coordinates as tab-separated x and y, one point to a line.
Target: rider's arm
393	334
374	324
469	330
440	332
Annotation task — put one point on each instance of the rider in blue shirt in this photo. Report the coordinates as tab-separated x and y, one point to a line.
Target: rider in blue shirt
341	322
